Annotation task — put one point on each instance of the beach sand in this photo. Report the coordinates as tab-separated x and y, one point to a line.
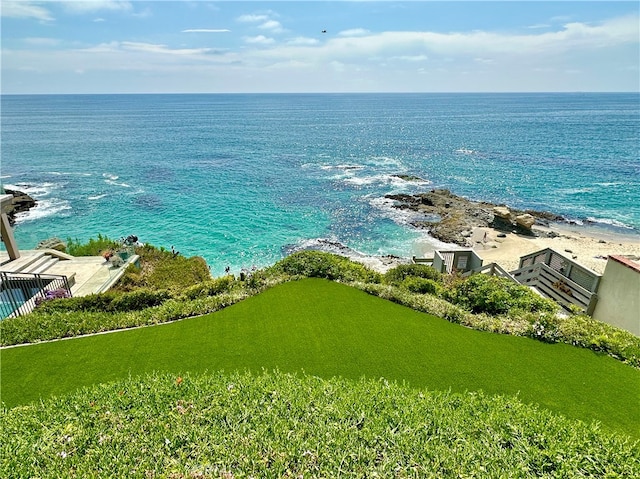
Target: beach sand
587	246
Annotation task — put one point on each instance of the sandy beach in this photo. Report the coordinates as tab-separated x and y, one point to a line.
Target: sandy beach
585	245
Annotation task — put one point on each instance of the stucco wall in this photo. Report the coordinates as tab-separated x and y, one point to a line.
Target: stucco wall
619	294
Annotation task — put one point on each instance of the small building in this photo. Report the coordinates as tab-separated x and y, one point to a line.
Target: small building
459	261
619	294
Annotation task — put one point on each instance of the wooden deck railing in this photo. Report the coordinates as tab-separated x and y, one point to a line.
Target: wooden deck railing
557	286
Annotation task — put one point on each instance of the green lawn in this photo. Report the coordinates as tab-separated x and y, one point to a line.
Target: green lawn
328	329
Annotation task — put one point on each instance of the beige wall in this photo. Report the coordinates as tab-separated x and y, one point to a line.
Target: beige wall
619	294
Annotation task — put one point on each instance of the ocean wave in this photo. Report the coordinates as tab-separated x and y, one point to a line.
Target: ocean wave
399	216
609	222
3	177
332	245
613	183
383	179
109	176
34	190
43	209
577	191
67	173
466	151
345	167
97	197
115	183
384	161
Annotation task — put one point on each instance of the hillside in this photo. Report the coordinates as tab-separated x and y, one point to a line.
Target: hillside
328	329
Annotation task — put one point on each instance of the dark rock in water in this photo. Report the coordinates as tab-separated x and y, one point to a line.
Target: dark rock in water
21	202
502	235
408	177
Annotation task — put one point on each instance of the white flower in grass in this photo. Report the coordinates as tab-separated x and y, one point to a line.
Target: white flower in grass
63	454
166	441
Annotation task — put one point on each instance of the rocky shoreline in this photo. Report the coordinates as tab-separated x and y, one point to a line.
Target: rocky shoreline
21	202
451	218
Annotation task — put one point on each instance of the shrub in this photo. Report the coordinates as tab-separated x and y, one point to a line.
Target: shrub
140	299
93	247
209	288
422	286
162	269
317	264
481	293
401	272
584	331
107	302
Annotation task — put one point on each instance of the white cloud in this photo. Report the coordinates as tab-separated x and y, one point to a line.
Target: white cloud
151	48
206	30
412	58
252	18
354	32
86	6
272	25
162	49
260	40
387	61
303	41
24	9
42	41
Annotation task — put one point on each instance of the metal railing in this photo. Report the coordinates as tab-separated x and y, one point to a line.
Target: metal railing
21	292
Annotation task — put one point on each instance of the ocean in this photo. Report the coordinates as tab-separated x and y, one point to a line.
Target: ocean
243	179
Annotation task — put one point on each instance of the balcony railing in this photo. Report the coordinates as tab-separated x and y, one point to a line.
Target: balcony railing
21	292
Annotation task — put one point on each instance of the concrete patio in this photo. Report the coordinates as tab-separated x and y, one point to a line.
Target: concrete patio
86	275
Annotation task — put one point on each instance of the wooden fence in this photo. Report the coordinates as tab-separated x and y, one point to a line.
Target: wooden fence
559	278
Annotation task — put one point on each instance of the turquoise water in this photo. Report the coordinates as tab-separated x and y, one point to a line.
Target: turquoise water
243	179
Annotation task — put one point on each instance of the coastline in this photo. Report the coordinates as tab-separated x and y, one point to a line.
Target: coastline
502	234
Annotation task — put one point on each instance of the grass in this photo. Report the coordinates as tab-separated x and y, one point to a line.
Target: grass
328	329
277	425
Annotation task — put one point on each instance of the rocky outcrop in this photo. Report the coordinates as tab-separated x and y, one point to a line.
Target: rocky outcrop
450	218
525	220
21	202
52	243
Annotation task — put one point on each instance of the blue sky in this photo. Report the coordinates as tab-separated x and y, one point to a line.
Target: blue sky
116	46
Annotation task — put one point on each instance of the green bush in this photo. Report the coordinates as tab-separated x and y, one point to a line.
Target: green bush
401	272
139	299
584	331
93	247
318	264
481	293
209	288
110	301
163	269
44	325
419	302
422	286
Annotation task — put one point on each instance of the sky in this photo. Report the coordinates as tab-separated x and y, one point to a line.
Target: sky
198	46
